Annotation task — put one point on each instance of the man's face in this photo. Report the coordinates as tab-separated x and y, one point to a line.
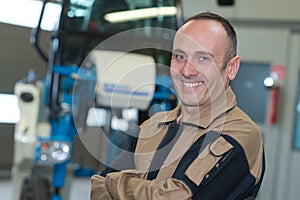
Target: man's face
199	50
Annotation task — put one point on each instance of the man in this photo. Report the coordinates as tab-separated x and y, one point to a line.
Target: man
206	148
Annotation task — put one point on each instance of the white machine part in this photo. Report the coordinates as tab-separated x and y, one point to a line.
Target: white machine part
124	80
27	130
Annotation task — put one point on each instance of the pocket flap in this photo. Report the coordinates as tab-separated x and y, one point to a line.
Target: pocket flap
207	159
220	146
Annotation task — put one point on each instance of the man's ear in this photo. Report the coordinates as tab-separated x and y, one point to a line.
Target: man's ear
233	67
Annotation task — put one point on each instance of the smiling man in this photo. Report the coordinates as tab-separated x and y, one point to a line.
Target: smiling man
206	148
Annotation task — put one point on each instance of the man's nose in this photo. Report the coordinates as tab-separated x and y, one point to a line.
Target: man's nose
189	69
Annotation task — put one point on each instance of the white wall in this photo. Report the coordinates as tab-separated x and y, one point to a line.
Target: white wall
279	10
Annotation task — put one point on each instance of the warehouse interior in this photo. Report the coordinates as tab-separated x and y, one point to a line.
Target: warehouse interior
268	42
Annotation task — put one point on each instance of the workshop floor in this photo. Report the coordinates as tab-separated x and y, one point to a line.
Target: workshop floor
80	189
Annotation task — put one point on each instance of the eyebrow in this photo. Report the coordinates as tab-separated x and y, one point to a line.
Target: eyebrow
178	51
205	53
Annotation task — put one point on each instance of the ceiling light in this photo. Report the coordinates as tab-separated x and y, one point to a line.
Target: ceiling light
27	12
123	16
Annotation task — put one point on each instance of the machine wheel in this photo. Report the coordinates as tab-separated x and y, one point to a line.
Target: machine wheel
35	188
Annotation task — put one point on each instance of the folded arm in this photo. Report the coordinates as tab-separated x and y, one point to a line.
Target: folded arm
132	185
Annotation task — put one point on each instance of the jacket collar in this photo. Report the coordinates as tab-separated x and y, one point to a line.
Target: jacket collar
206	115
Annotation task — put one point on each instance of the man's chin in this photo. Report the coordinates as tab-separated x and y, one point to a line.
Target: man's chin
190	102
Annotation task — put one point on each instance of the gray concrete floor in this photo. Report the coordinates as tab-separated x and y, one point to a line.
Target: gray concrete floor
80	189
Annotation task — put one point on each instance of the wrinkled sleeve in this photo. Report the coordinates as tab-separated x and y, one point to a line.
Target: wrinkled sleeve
98	190
132	185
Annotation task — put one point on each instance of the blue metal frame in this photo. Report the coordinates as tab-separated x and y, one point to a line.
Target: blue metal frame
62	121
63	128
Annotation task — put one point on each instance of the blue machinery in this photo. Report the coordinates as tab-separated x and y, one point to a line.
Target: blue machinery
37	149
55	150
75	37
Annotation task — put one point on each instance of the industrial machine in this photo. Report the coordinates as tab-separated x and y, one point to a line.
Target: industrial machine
41	145
119	74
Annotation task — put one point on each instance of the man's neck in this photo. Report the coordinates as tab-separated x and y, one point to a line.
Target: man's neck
188	111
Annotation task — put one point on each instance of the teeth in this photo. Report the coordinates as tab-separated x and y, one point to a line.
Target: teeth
191	85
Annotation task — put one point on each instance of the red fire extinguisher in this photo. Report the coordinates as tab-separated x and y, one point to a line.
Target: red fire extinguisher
274	99
274	82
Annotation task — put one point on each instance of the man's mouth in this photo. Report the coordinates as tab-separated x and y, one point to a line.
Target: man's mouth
192	84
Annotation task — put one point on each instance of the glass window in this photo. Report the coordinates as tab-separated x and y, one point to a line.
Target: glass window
111	17
251	94
89	22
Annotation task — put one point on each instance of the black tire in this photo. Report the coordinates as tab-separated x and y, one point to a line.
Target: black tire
36	188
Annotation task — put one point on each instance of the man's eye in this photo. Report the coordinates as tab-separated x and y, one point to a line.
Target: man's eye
180	57
203	58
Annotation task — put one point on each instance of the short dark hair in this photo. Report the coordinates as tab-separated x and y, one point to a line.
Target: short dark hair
232	50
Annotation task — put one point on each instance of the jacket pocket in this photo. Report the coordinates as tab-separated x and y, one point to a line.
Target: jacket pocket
207	159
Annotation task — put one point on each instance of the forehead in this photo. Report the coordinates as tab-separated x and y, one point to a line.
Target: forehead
205	35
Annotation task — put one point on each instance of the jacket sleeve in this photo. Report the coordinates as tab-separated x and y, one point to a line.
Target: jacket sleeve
132	185
98	190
